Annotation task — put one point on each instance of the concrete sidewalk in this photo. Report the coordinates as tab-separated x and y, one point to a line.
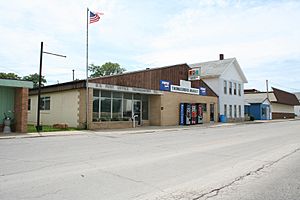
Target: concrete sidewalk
137	130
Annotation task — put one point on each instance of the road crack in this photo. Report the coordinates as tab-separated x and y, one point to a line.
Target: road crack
214	192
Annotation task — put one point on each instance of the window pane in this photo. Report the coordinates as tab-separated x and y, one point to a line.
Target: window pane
96	93
235	111
117	109
225	87
234	88
45	103
127	96
105	108
117	95
127	108
137	97
96	109
105	93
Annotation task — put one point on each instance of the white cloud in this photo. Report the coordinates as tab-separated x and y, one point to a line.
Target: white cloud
254	34
146	33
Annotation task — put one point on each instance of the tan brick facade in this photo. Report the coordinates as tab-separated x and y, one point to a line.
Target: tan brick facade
164	109
21	108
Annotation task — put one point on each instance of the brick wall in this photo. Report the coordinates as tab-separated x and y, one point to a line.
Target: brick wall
164	109
21	108
278	115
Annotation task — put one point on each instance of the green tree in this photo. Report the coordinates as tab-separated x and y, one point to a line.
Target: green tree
9	76
106	69
35	79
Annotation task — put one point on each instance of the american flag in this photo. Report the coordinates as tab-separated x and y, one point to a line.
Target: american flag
94	17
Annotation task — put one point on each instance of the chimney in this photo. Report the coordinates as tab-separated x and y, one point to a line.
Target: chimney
221	56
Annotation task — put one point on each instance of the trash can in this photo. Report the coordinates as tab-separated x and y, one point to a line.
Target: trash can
223	119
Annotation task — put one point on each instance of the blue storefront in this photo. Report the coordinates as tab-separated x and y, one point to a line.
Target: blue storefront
259	110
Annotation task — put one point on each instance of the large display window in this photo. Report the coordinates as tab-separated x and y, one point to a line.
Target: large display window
119	106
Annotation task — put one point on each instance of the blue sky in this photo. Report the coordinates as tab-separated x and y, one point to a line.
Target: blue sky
262	35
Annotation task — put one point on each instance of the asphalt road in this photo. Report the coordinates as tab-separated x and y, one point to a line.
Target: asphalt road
236	162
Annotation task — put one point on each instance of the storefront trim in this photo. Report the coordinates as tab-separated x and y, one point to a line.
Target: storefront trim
124	89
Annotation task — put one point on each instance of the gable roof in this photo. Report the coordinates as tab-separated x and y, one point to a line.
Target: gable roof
276	96
251	99
216	68
284	97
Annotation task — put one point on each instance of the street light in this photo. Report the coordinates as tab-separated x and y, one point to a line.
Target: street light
38	126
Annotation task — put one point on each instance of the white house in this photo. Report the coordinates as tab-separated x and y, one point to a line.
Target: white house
227	79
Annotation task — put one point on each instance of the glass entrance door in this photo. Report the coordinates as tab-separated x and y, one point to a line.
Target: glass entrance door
137	111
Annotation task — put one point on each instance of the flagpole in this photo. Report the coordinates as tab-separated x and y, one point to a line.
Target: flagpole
87	65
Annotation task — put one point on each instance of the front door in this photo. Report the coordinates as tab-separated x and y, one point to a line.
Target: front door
212	112
137	111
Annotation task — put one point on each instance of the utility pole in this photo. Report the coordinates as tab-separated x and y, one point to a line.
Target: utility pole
267	85
73	74
38	126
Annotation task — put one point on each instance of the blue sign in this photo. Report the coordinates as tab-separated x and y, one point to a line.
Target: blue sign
181	114
202	91
164	85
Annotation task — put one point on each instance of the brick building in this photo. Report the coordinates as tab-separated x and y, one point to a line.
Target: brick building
151	97
14	103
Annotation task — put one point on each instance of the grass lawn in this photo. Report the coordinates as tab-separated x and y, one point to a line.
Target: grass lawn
31	128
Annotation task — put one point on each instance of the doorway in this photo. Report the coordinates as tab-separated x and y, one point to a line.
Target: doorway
212	112
136	111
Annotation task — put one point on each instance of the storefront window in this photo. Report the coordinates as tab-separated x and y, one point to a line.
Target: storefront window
105	94
105	109
128	96
117	106
96	109
127	108
137	97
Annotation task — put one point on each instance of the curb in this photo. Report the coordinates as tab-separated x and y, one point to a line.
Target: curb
85	132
